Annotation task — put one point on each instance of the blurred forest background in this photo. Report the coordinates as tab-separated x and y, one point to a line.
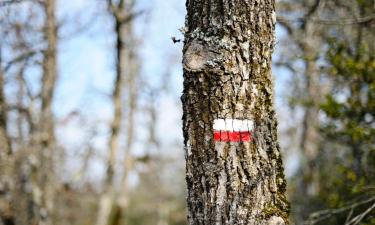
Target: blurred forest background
90	115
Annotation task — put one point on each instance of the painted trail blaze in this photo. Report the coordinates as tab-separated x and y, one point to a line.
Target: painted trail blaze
233	130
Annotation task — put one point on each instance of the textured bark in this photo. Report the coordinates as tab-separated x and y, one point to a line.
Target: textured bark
227	74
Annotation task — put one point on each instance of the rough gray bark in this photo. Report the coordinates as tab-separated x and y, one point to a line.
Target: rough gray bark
227	74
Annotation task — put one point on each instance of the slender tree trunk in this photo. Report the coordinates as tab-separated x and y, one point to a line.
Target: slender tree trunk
128	161
4	138
307	36
108	208
49	77
6	181
107	199
46	124
231	179
310	125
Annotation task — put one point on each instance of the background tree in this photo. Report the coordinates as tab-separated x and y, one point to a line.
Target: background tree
341	42
301	55
30	35
56	131
114	202
346	164
6	214
46	137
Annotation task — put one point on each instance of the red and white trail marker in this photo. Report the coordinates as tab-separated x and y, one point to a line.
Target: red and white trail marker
233	130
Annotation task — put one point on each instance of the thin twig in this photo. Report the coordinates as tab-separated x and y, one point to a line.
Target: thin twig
349	215
21	57
322	215
360	217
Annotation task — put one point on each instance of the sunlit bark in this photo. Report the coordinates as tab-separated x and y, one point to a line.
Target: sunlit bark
227	76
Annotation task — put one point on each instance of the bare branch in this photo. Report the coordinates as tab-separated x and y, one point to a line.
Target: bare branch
287	65
23	110
349	215
21	57
324	214
361	20
313	9
360	217
286	24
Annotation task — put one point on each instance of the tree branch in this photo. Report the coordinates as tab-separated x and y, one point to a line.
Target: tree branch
360	217
286	24
313	9
21	57
324	214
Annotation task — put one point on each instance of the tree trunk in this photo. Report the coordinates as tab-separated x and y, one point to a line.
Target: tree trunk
107	199
6	181
310	125
110	211
308	38
128	160
4	138
46	124
234	167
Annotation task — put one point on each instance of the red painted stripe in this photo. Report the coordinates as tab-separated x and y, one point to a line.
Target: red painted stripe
232	136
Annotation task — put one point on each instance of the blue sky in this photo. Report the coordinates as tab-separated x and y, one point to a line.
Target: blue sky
86	70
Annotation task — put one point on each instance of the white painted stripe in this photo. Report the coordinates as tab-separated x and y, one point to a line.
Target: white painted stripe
233	125
219	124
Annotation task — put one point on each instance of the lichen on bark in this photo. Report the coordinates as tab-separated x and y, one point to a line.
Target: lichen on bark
227	74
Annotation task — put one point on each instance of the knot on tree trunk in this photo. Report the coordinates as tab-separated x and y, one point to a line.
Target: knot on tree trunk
199	58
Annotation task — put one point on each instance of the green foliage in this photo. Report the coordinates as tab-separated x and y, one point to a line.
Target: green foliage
347	160
335	75
351	120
